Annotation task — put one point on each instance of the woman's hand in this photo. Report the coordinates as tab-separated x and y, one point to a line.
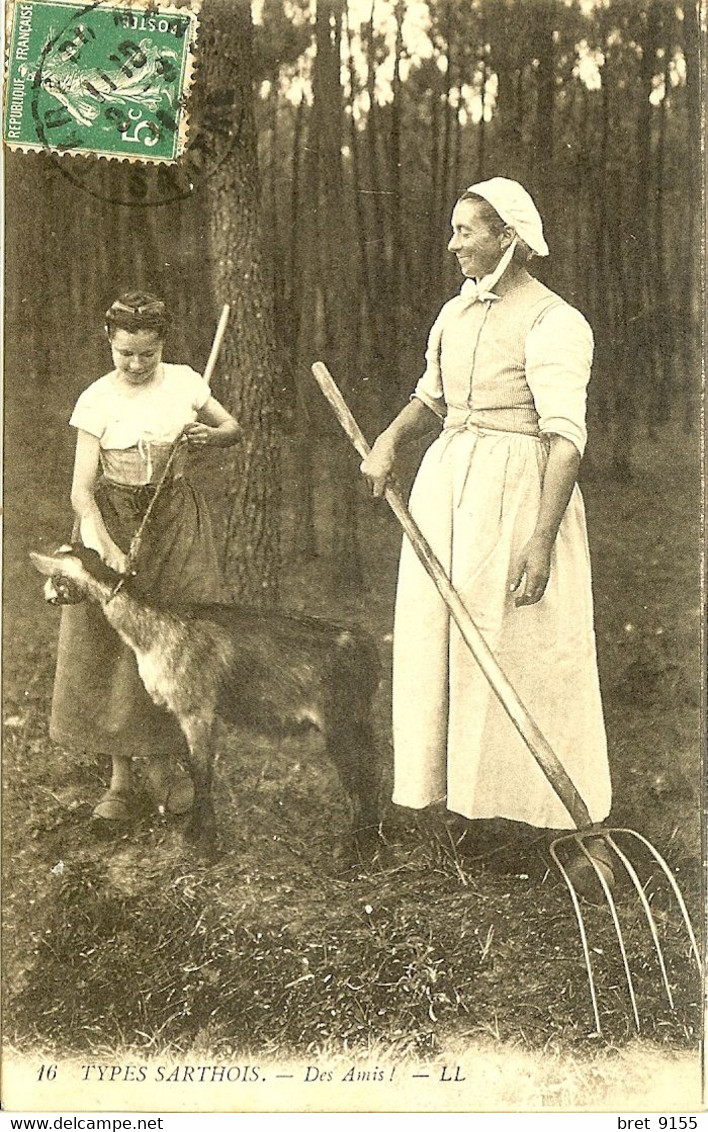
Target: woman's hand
532	569
414	420
377	468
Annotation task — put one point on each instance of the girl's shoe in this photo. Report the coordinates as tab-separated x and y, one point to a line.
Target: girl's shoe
115	805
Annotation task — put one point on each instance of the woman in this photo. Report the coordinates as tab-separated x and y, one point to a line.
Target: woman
508	363
127	422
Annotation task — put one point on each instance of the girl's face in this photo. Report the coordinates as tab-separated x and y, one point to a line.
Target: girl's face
477	247
136	356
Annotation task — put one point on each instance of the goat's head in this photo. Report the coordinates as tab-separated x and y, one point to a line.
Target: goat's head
73	573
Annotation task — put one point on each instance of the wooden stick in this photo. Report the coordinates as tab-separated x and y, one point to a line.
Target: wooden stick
534	738
135	542
216	344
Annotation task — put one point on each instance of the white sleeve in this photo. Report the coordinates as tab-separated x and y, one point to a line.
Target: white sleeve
559	351
89	412
199	391
429	389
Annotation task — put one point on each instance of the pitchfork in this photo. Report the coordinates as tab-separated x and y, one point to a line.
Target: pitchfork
588	834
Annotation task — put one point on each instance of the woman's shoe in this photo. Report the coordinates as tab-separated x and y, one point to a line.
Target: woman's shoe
115	805
585	880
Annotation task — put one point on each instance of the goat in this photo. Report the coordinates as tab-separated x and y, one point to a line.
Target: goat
268	670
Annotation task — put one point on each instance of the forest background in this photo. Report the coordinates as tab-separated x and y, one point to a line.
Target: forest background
370	118
328	143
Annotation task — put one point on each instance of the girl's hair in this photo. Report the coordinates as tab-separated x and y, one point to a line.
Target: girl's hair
496	225
137	310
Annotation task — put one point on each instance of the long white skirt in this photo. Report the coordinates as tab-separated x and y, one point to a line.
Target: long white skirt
476	499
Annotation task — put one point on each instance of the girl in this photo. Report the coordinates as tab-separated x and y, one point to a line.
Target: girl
126	424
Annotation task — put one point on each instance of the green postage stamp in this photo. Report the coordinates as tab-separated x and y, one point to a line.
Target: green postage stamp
110	78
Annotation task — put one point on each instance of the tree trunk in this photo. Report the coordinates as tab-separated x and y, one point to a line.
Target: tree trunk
623	407
603	304
305	293
481	129
374	342
641	359
396	213
692	313
665	352
445	207
339	289
276	248
435	209
542	157
375	194
248	372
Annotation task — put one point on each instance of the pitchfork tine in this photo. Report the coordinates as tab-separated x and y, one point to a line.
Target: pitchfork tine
675	888
647	912
618	929
583	933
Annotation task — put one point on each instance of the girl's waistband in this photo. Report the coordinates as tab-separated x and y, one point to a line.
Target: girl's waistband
134	488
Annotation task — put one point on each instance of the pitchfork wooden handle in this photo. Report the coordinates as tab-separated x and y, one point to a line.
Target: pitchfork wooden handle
216	344
534	738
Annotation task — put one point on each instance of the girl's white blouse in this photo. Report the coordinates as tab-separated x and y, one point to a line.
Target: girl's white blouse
154	414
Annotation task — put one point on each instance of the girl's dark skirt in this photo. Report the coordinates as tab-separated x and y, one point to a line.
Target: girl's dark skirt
99	703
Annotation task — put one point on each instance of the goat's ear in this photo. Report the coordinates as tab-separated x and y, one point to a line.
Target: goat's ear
44	563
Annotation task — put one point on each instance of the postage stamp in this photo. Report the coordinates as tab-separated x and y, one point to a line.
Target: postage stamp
110	78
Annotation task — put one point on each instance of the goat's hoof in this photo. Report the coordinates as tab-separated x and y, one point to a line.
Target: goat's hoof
114	806
207	850
170	786
180	799
204	842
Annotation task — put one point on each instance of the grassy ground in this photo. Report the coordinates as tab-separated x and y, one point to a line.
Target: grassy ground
459	937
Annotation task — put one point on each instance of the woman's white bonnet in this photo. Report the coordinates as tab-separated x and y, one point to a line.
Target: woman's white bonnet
516	208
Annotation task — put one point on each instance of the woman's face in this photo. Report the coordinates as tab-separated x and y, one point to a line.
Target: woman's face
137	355
477	247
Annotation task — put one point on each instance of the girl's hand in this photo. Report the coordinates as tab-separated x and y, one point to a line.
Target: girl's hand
533	570
377	468
114	557
94	536
198	435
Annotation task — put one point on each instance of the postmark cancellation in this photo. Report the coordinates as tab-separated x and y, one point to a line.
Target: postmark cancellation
110	78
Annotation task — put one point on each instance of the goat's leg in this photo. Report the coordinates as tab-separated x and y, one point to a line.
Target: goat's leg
202	825
115	803
170	786
351	747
